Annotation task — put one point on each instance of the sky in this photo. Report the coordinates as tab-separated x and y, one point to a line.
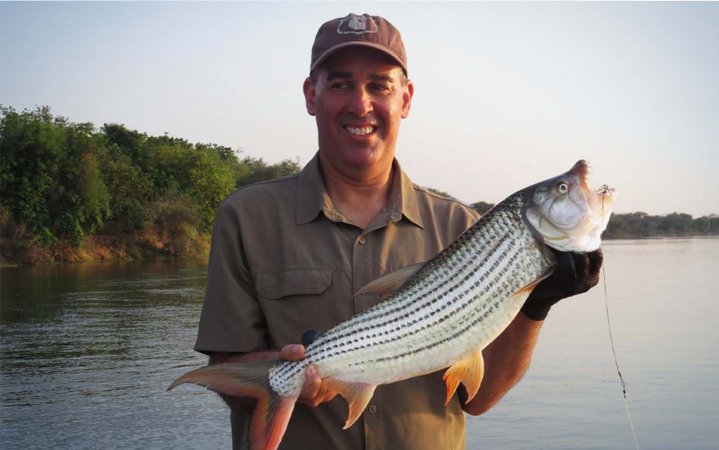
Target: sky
506	94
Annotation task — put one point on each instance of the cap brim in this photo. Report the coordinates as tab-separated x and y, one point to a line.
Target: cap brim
327	53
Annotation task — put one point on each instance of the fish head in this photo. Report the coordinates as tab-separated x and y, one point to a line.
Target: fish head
566	214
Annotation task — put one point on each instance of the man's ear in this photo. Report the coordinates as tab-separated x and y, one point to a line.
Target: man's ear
308	87
407	94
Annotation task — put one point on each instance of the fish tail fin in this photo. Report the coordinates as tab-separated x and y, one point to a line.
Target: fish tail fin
269	420
249	379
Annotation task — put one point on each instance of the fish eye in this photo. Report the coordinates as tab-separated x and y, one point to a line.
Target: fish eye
562	187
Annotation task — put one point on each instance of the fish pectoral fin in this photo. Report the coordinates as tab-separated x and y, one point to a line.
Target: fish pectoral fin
386	284
469	371
356	394
526	290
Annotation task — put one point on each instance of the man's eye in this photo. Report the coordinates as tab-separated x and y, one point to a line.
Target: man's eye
339	85
380	87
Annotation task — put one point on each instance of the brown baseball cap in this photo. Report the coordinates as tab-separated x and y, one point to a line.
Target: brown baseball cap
354	29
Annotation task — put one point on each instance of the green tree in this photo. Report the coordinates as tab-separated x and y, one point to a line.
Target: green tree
49	174
174	219
31	144
254	170
81	202
676	224
212	177
128	142
129	189
95	197
203	172
702	225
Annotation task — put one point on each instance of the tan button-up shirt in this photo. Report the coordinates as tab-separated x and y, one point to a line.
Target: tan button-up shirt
284	261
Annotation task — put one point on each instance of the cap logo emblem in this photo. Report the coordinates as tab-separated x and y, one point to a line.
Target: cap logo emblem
354	24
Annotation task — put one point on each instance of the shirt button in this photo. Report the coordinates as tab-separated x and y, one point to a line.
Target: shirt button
362	240
372	409
395	217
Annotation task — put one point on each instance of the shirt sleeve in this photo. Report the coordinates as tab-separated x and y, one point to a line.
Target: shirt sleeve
231	318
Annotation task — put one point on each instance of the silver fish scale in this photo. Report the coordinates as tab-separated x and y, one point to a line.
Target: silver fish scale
457	303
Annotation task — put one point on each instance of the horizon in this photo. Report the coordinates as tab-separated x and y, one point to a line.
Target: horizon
507	94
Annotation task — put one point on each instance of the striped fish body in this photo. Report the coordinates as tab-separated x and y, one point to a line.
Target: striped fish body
455	305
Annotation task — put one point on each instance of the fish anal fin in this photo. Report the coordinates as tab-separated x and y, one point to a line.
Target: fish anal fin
386	284
357	395
469	371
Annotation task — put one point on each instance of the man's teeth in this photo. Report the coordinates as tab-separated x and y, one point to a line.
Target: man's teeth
360	131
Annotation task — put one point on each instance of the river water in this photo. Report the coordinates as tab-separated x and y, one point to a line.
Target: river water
88	350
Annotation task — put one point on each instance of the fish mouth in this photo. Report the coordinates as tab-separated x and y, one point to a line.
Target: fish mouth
580	168
581	171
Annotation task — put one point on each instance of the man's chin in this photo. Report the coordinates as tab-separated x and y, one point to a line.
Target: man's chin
363	158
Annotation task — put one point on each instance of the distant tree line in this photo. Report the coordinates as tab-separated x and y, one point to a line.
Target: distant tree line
62	181
641	224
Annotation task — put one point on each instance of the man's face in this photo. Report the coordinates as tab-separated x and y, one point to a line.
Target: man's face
358	99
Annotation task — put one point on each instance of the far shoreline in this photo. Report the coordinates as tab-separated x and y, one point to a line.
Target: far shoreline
99	254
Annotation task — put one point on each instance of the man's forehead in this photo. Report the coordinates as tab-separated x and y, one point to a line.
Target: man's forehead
364	62
388	75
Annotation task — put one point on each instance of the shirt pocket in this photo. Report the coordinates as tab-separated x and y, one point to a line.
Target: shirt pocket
293	282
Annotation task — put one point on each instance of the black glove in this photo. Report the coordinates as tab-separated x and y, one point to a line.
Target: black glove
575	273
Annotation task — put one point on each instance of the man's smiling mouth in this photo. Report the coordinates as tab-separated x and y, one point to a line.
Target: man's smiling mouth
360	131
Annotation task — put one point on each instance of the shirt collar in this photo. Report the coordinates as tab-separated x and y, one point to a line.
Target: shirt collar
312	197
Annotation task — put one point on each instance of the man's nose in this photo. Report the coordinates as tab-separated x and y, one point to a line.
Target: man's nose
361	102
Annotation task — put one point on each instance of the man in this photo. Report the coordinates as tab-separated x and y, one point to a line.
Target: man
288	255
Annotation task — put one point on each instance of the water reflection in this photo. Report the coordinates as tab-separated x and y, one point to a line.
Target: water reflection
43	293
86	352
663	309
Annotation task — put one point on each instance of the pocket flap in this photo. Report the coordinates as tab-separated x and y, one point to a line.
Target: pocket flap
276	285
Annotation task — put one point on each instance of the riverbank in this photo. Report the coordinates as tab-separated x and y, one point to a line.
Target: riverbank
144	245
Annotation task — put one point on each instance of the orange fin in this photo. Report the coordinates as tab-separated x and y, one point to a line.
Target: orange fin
386	284
469	371
356	394
249	379
269	423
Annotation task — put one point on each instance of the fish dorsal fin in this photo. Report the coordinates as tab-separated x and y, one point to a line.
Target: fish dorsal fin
385	285
469	371
356	394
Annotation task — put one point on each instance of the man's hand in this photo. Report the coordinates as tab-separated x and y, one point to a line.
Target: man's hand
575	273
314	390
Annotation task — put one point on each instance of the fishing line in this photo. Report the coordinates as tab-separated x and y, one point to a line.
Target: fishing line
611	340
